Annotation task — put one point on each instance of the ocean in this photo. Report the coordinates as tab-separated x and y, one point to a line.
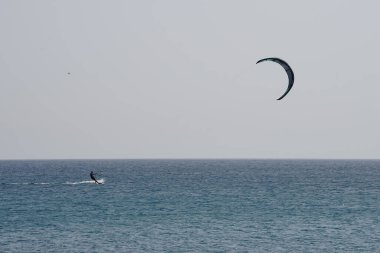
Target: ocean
190	206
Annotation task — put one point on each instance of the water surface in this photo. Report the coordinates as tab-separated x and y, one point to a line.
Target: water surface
190	206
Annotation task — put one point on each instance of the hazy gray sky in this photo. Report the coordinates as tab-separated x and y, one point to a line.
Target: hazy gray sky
178	79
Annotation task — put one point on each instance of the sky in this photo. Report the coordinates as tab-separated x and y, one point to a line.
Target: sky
178	79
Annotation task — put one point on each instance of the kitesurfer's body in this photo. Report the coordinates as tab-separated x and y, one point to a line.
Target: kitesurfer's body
92	175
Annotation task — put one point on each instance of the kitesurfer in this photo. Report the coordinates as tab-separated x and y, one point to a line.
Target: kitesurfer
92	175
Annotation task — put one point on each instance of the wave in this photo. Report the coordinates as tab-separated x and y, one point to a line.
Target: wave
51	183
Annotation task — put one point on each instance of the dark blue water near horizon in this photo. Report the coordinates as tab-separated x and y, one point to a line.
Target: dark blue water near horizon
190	206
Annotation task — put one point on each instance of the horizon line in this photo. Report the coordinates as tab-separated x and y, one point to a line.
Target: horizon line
195	158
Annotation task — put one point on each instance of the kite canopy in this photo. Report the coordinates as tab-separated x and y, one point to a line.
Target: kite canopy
288	70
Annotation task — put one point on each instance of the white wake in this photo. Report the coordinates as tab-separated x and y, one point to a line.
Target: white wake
86	182
102	181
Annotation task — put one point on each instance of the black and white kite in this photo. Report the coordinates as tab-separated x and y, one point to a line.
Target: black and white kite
288	70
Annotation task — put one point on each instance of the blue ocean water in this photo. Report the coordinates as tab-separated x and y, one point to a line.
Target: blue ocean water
190	206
